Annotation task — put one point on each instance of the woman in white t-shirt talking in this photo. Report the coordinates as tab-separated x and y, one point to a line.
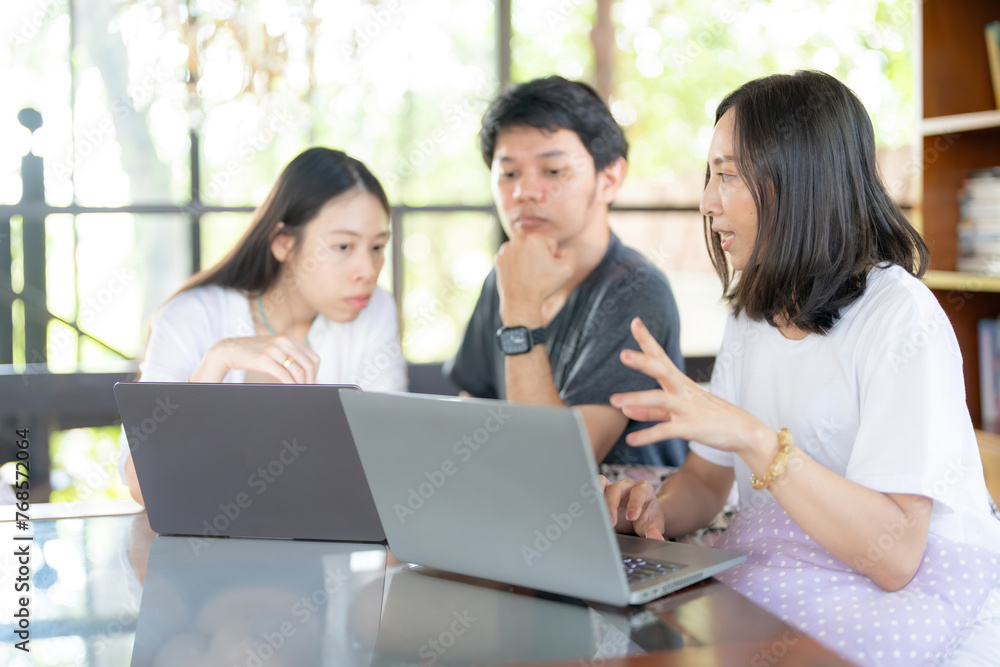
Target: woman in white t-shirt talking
296	300
837	402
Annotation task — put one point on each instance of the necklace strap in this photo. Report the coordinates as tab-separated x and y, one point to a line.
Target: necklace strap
263	317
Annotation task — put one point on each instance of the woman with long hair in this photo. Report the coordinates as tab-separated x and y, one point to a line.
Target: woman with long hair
296	300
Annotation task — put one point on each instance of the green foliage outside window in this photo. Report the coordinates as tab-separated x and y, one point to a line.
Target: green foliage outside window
400	85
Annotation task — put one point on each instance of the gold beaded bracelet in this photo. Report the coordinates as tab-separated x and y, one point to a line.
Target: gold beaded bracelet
780	463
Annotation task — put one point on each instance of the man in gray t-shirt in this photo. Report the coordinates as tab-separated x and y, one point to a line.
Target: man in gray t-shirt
554	314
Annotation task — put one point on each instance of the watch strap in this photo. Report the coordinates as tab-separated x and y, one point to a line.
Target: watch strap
538	336
534	337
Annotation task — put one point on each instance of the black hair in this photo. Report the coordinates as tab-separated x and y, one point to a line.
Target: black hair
551	104
805	147
310	180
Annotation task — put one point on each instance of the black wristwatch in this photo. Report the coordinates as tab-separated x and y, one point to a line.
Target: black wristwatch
519	340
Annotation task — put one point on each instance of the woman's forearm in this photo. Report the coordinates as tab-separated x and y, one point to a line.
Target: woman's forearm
133	482
881	535
213	367
693	496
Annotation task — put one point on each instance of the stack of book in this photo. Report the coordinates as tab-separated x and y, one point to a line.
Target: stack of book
979	229
993	53
989	372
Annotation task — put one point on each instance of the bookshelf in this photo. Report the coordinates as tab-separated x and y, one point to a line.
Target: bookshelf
962	122
960	130
989	452
955	281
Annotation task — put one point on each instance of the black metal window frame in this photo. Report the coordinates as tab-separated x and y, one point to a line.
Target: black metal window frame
46	402
33	211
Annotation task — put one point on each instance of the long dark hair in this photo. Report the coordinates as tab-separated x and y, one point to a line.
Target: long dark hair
313	178
805	147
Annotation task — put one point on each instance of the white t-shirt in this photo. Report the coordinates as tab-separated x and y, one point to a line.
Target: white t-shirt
365	352
880	399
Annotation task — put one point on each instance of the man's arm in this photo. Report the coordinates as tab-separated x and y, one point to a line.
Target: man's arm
530	270
529	380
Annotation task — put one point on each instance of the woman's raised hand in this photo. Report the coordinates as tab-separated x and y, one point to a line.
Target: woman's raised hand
284	359
683	409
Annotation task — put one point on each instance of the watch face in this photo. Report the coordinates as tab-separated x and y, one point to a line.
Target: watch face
514	340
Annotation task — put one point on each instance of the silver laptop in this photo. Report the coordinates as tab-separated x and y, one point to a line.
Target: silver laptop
247	460
508	492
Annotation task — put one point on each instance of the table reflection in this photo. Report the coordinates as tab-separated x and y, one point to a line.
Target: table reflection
436	618
256	603
86	582
243	602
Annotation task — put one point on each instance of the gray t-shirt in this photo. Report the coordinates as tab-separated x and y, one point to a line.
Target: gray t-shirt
583	343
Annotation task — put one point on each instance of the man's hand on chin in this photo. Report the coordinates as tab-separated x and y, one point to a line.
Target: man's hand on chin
530	269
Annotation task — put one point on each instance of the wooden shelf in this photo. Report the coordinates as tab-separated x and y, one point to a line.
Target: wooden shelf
959	132
989	452
963	122
961	282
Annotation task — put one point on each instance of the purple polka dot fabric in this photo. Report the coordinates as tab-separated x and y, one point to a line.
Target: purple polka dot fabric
791	576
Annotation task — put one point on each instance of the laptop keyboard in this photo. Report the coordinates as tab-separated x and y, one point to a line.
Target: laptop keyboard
640	570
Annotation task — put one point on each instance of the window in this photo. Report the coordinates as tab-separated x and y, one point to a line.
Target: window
165	122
